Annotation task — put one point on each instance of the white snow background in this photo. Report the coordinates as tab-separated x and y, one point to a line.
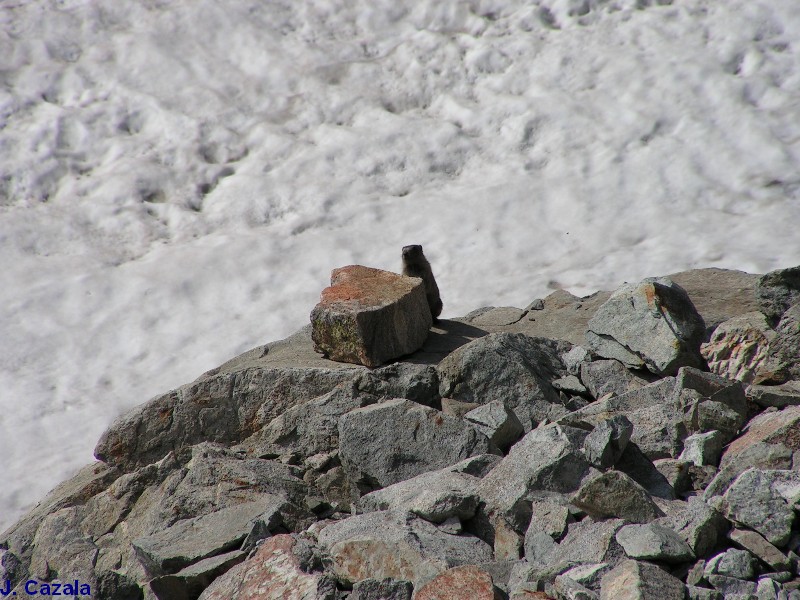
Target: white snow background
179	177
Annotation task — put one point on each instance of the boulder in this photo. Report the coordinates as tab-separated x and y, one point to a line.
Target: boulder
607	441
457	583
496	422
654	542
368	316
703	448
549	458
652	324
510	367
777	291
731	563
566	588
274	572
589	542
589	575
384	589
699	525
614	494
764	500
383	545
189	583
224	407
738	348
636	580
603	377
761	548
398	439
778	396
783	361
434	496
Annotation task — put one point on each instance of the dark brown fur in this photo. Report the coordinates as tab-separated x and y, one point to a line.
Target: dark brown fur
416	265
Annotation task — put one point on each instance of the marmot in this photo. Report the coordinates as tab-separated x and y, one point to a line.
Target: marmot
416	265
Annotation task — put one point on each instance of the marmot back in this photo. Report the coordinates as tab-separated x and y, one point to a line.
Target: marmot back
416	265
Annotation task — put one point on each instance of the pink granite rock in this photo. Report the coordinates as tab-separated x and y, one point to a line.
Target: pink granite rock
459	583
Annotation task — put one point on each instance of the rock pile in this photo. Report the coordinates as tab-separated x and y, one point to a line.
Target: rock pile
655	459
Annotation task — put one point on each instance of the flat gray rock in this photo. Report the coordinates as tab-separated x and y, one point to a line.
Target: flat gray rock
654	542
652	324
398	439
757	545
635	580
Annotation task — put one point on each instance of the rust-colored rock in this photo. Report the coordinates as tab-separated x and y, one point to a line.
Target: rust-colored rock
459	583
274	573
739	347
774	428
368	316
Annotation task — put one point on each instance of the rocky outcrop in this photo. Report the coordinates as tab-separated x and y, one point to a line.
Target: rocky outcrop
777	291
651	325
368	316
491	460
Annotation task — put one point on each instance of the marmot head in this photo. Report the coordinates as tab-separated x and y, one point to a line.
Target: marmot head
412	252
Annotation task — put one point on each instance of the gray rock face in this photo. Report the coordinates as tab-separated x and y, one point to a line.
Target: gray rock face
778	396
764	501
385	589
699	525
607	441
380	545
783	361
738	348
634	580
224	408
614	494
654	542
760	547
732	563
652	324
703	448
589	542
567	588
496	422
190	582
514	368
368	316
777	291
398	439
549	458
435	496
603	377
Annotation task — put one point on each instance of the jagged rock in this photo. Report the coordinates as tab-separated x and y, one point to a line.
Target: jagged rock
738	348
703	448
538	546
607	441
61	550
368	316
434	496
768	589
658	421
694	592
652	324
457	408
589	541
783	362
711	402
763	500
550	514
589	575
457	583
676	472
635	580
191	540
698	524
732	587
419	383
384	589
760	547
496	422
273	573
398	439
654	542
549	458
495	316
603	377
566	588
224	407
379	545
574	360
778	396
731	563
777	291
570	384
514	368
190	582
614	494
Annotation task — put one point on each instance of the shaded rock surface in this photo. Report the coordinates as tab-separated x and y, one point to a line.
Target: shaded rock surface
550	470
